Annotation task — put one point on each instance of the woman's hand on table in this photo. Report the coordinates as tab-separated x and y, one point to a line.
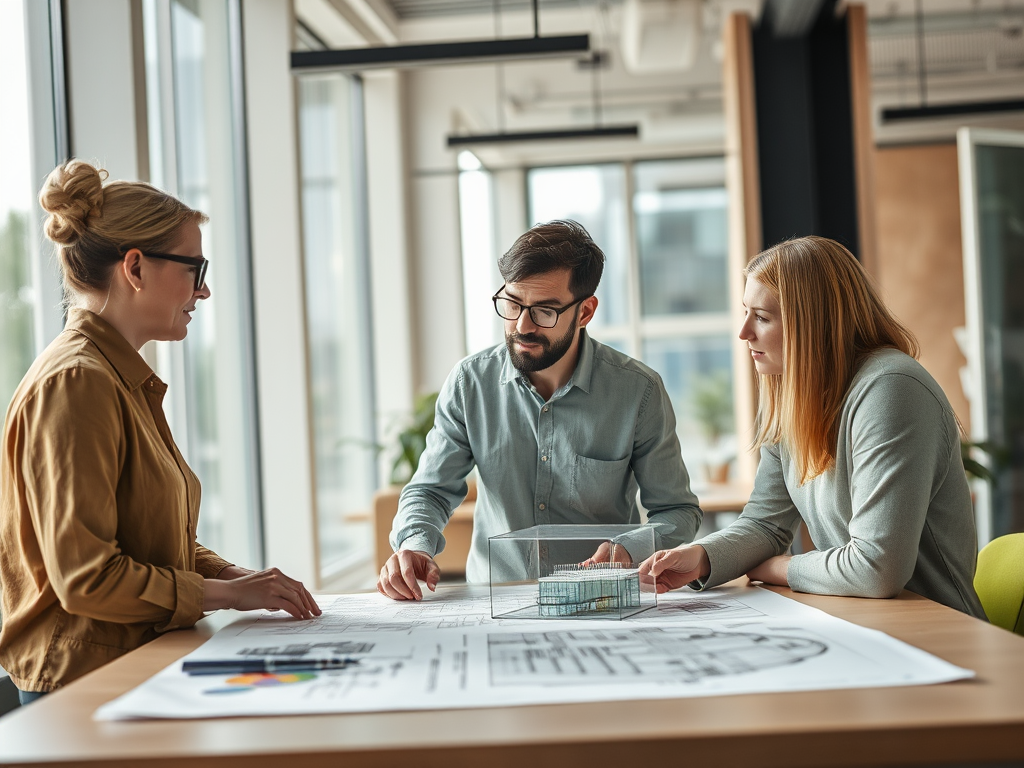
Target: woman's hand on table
774	570
245	590
673	568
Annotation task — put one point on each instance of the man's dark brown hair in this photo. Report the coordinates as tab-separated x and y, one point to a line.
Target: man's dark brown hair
559	244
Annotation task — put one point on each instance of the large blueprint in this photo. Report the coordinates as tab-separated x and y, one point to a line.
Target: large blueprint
447	652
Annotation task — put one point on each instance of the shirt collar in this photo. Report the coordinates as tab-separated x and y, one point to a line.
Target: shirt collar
128	363
585	365
580	377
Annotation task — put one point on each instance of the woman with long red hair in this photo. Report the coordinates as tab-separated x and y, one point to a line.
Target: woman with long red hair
855	438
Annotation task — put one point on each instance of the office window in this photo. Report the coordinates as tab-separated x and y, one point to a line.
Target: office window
197	151
595	196
480	276
664	294
30	314
16	204
338	315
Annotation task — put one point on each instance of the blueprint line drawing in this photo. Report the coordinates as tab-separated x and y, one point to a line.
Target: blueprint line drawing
650	654
448	653
706	609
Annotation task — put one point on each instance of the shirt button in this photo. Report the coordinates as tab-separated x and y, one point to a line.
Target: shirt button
546	409
543	458
541	506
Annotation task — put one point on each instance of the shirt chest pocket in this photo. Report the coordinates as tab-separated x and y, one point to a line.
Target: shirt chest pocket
598	488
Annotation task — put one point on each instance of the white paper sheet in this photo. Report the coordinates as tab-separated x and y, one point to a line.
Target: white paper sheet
447	653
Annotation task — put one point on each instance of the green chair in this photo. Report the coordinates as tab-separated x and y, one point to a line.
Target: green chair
999	581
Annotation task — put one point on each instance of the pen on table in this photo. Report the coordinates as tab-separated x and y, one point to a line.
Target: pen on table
266	666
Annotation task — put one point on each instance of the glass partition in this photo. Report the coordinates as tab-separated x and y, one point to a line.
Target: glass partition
992	205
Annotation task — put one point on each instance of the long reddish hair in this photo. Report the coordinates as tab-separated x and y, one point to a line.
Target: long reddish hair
832	318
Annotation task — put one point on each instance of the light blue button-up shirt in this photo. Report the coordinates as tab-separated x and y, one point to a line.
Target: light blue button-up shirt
577	458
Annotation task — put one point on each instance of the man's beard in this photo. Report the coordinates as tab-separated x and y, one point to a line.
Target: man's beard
551	351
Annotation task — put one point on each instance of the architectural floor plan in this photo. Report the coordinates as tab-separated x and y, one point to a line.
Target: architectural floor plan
448	653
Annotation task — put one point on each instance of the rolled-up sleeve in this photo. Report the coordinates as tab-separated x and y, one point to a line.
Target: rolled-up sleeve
208	563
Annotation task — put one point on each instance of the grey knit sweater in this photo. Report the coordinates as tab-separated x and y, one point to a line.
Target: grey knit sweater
894	512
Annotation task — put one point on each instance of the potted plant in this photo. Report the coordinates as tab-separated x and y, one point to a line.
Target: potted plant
713	409
409	443
975	469
412	439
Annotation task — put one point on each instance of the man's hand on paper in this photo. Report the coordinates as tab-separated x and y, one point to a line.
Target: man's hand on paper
673	568
609	552
399	578
774	570
269	589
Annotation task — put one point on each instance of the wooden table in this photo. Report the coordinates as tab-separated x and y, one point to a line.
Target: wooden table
974	721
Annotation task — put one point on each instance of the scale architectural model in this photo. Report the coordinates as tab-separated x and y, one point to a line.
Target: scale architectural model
581	589
570	572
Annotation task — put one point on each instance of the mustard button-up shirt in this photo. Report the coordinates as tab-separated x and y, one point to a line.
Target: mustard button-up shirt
98	512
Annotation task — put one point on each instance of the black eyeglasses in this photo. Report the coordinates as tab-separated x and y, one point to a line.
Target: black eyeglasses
198	262
542	317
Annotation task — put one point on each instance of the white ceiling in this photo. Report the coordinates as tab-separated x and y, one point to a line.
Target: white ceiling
974	50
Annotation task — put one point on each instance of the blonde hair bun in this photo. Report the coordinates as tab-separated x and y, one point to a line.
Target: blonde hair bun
72	194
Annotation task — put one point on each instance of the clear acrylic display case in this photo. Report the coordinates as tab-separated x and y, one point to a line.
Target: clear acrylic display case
543	572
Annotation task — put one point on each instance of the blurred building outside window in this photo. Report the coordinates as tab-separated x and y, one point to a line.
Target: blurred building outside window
664	295
31	142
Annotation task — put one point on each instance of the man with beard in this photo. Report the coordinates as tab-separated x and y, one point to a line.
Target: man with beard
561	428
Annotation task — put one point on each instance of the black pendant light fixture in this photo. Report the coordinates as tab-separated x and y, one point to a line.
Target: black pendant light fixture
430	54
597	131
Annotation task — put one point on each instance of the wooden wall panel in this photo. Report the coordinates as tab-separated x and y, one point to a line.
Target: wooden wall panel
743	183
920	260
863	135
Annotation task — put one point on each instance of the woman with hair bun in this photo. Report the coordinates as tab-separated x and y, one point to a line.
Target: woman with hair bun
856	439
98	509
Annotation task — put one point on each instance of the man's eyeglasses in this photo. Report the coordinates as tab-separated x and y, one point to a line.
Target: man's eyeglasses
198	262
542	317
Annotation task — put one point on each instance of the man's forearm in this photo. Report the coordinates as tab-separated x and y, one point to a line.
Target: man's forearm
675	525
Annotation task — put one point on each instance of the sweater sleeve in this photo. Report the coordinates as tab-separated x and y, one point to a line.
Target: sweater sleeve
900	453
763	530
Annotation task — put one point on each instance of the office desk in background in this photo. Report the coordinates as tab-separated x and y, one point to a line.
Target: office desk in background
967	722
